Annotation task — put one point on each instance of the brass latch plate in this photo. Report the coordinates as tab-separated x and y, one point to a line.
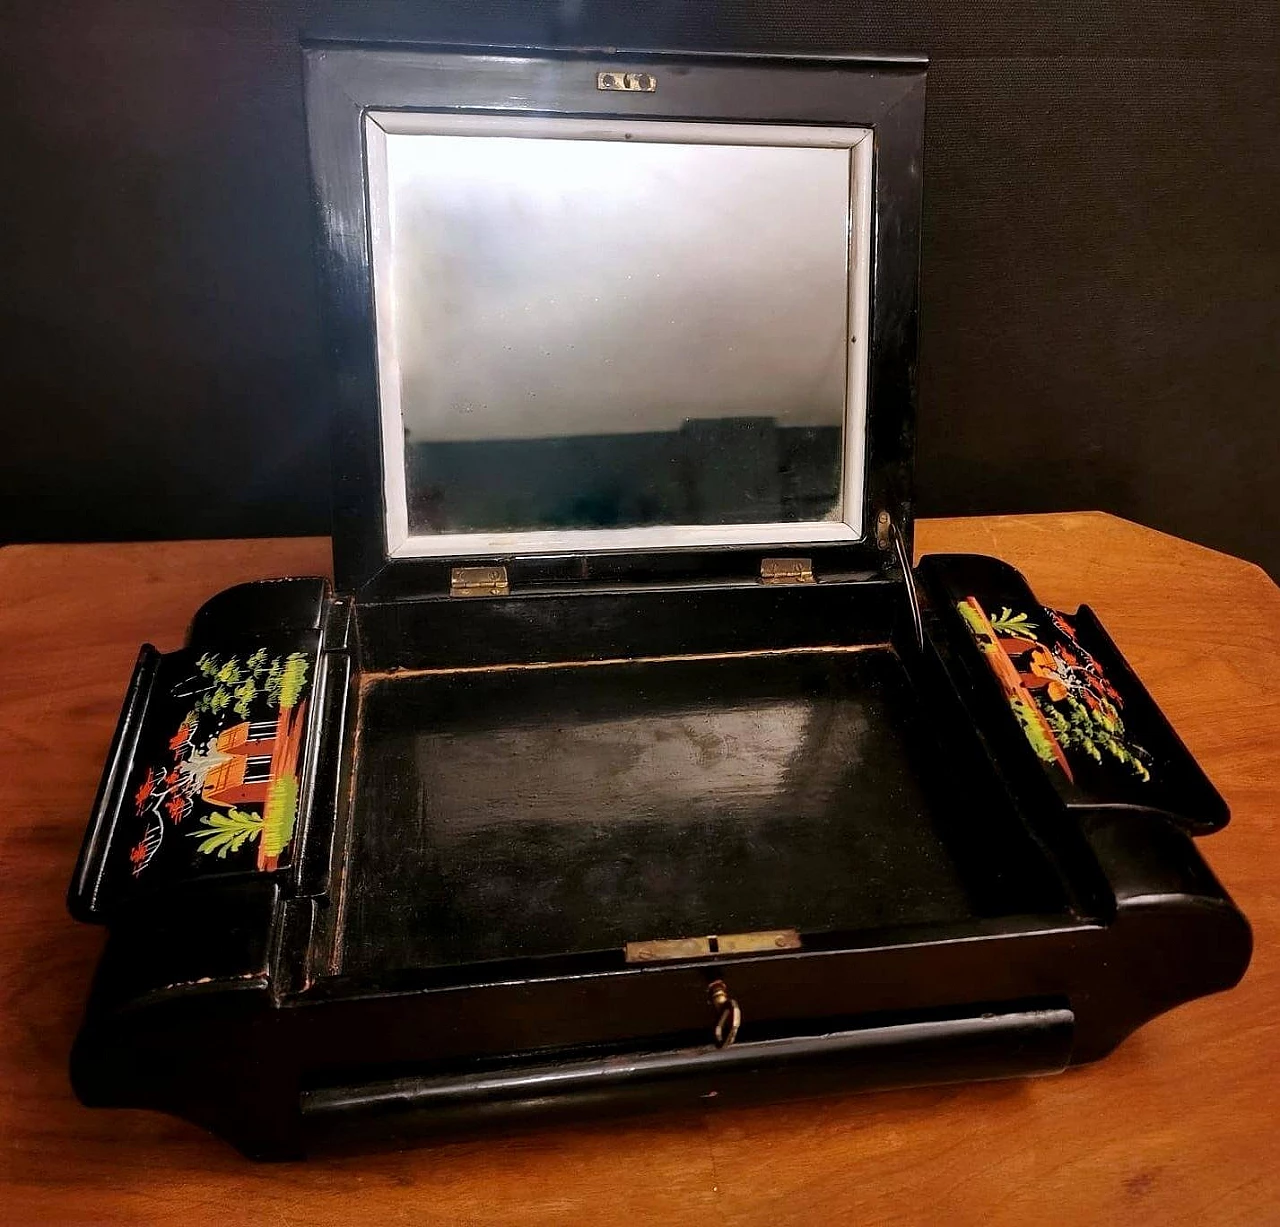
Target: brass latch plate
768	940
479	581
634	82
786	571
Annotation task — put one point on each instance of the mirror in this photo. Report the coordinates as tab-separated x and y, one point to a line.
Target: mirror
586	327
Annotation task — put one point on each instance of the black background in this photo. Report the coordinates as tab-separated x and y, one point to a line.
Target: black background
1101	262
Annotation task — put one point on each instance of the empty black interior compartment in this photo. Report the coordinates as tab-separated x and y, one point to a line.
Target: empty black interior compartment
530	811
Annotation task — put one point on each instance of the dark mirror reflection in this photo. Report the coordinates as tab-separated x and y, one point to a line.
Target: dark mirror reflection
605	334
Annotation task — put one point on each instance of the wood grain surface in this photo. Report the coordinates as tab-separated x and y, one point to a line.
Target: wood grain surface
1179	1126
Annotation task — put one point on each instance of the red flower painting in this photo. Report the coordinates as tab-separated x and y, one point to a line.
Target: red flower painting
147	787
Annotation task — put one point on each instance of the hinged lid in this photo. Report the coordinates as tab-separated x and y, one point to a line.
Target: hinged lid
631	318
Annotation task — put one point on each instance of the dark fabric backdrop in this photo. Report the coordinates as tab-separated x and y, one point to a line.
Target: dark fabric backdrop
1101	263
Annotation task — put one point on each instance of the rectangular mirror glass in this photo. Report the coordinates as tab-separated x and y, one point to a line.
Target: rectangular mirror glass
604	335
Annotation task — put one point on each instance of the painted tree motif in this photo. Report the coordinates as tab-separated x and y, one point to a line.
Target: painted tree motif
220	684
223	833
1014	625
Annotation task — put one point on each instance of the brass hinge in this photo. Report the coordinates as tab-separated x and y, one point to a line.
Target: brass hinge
479	581
716	944
884	531
786	571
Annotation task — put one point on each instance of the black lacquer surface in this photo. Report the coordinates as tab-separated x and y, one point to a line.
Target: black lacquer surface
515	813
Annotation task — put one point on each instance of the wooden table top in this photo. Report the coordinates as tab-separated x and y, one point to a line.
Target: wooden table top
1178	1126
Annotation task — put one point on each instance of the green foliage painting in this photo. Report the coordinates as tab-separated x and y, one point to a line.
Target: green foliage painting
1006	622
280	811
235	684
1030	721
1094	731
222	833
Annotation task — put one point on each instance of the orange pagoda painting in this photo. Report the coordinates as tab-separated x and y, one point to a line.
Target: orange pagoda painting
1057	690
231	774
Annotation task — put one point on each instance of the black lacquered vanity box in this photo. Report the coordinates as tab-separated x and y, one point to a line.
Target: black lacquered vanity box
628	761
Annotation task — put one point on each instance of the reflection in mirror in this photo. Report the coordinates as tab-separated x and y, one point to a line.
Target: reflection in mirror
615	333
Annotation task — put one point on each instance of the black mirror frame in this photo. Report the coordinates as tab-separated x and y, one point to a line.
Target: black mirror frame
345	80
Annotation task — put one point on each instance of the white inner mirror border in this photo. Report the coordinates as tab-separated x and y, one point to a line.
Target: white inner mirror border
401	544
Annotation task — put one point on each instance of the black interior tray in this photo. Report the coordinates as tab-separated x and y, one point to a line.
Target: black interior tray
524	812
